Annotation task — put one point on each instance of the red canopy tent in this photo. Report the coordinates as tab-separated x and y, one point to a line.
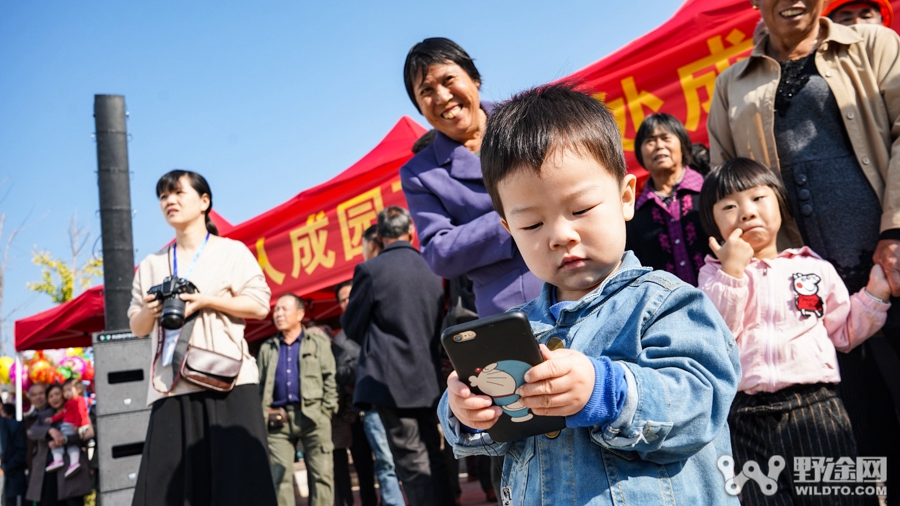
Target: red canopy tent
319	230
312	242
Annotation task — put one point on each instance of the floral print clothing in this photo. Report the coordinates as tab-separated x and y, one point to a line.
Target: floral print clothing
667	234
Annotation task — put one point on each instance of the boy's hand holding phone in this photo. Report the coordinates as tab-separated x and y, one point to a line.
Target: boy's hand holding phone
559	386
474	411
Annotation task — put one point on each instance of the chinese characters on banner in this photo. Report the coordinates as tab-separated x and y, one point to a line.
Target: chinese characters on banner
327	237
672	69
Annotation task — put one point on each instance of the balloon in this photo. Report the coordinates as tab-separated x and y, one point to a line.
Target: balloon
27	355
26	384
64	371
75	364
88	374
5	364
14	372
74	352
41	371
55	357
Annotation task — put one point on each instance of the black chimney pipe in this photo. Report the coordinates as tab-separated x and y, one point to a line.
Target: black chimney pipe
115	207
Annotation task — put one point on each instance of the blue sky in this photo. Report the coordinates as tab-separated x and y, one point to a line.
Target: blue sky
263	98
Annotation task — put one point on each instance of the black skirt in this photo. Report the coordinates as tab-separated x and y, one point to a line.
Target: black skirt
206	449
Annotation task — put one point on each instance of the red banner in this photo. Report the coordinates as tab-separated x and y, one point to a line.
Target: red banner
673	69
314	240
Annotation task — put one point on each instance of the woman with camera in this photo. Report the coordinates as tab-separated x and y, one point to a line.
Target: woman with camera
206	441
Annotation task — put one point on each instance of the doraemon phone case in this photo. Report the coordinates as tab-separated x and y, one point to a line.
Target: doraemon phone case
491	355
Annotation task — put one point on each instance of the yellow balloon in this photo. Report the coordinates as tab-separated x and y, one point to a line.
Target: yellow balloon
5	364
74	352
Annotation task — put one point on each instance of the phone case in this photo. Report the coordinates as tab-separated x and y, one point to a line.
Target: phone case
491	355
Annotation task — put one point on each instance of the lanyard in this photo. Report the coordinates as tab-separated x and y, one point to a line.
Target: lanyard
193	262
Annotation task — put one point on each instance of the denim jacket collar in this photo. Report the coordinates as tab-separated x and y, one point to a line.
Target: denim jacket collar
628	271
463	163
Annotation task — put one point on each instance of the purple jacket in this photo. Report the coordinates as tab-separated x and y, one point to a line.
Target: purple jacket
459	230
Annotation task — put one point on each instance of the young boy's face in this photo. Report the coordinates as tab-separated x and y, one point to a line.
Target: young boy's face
569	221
68	391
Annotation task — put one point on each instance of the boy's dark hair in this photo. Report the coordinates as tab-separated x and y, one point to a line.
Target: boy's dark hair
737	175
299	300
337	288
9	409
435	50
522	132
668	123
393	222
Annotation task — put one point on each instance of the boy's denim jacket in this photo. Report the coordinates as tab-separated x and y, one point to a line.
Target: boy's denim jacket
682	369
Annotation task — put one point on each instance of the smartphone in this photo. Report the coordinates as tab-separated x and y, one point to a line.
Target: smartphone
491	355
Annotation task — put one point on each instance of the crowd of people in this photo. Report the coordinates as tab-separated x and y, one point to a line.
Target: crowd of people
695	318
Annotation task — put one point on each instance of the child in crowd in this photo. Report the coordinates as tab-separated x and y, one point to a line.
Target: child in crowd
788	312
649	368
73	419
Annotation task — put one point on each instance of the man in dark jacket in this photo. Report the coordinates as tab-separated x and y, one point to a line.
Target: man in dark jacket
12	440
395	314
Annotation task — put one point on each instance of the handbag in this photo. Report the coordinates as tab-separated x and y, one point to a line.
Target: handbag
201	367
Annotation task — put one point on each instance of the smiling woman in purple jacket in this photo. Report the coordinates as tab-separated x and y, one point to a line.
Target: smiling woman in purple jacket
458	228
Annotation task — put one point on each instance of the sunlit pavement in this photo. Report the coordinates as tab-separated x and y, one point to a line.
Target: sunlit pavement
472	495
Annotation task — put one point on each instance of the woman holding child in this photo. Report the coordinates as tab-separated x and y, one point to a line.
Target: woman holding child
818	103
52	487
203	446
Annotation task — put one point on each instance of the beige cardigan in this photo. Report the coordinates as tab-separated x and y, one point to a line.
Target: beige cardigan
861	65
226	268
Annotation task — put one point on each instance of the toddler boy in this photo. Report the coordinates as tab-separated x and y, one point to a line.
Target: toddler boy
649	368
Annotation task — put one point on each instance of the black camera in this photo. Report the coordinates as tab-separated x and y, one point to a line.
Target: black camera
172	316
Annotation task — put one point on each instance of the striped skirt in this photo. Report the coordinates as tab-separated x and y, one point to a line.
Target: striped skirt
796	422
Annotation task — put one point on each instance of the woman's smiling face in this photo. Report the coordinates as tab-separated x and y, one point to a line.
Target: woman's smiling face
449	100
55	398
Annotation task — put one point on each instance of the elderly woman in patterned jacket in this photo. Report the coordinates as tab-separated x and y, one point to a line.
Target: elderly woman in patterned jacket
665	232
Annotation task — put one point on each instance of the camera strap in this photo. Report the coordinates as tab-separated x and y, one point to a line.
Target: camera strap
193	262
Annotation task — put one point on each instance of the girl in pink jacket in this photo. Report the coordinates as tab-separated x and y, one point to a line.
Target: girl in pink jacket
789	312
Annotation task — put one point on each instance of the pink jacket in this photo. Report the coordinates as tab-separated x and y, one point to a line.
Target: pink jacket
788	315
